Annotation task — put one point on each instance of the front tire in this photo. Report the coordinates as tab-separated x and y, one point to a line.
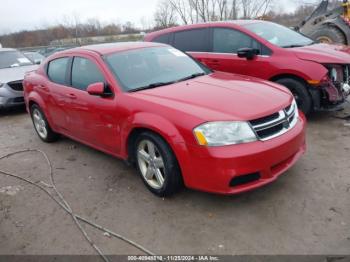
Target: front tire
157	165
300	93
42	126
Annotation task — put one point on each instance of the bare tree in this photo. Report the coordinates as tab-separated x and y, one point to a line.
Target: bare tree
194	11
255	8
165	15
183	9
234	10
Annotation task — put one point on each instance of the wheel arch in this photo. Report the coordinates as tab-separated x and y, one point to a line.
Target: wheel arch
288	75
150	122
175	148
311	92
35	99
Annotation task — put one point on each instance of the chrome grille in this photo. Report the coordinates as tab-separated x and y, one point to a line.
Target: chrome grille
276	124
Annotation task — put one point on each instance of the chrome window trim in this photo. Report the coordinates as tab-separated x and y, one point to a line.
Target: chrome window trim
233	54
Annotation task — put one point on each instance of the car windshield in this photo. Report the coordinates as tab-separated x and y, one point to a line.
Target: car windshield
279	35
10	59
153	67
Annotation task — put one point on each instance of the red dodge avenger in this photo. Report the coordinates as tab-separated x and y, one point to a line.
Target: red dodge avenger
179	122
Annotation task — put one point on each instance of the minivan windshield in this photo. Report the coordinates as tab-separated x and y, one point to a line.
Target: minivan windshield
10	59
279	35
153	67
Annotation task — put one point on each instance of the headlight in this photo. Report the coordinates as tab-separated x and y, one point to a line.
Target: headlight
224	133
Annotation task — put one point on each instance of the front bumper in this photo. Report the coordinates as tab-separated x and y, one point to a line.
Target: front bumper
216	169
10	97
330	95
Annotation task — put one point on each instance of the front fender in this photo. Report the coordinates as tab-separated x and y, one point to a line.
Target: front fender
310	71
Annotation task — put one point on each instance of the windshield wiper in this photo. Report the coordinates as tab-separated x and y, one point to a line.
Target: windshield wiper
191	77
154	85
150	86
292	46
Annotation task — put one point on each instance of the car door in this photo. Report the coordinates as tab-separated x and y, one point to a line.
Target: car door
223	57
91	118
56	88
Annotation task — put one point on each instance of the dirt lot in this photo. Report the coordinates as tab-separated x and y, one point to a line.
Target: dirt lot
307	211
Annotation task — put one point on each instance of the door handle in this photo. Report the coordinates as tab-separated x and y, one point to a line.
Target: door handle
71	96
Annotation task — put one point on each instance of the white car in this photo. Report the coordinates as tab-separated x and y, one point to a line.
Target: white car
13	66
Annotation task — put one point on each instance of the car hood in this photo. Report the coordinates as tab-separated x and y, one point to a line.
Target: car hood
324	53
15	73
221	96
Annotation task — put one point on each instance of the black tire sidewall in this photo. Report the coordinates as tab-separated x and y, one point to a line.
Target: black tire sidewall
330	32
172	179
300	89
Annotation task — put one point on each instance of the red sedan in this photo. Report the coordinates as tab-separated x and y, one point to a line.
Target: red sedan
317	74
179	122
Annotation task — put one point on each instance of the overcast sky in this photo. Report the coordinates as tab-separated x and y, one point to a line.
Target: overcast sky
18	15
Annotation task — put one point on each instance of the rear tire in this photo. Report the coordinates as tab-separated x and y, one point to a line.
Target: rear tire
300	93
329	35
41	125
157	165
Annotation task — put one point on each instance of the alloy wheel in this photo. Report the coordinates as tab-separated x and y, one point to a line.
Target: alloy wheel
151	164
39	123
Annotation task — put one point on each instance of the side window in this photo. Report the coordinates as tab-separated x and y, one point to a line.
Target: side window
196	40
57	70
265	50
165	39
229	41
84	73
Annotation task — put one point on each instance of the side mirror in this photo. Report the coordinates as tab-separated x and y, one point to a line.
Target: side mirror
37	61
96	89
248	53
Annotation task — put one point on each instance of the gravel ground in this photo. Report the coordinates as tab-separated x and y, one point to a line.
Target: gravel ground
307	211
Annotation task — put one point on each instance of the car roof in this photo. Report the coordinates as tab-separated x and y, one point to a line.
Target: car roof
241	22
104	49
234	23
7	49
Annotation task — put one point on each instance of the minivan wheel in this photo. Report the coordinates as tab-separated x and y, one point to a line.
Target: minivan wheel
157	165
41	125
300	93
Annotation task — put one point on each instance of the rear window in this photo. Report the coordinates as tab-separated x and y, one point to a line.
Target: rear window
196	40
164	39
57	70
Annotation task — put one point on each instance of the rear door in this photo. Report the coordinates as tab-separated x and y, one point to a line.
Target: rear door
56	87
